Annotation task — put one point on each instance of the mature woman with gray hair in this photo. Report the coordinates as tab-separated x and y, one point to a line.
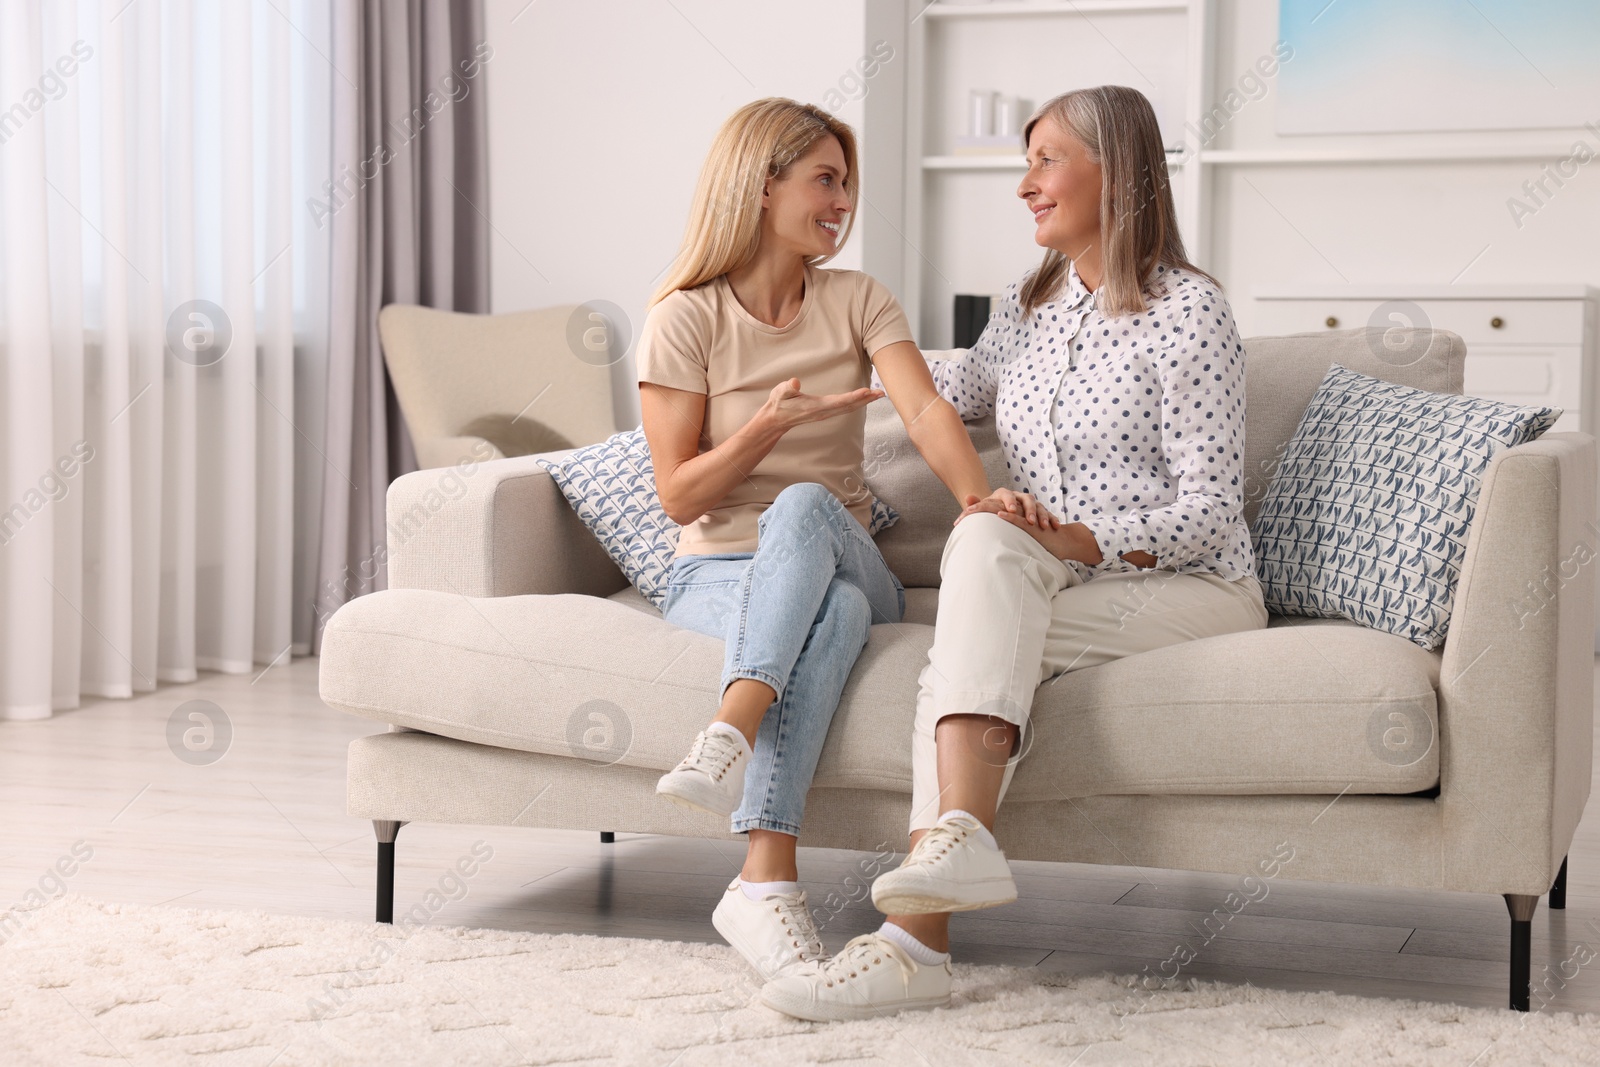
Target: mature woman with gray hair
1115	376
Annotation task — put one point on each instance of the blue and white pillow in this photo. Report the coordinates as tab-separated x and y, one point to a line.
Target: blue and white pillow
612	487
1367	516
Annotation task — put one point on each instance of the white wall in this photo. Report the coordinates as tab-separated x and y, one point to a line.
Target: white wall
600	115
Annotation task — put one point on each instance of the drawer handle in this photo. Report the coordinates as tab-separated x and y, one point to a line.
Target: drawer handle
1497	322
1331	322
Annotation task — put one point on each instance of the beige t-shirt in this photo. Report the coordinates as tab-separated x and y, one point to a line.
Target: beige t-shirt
702	340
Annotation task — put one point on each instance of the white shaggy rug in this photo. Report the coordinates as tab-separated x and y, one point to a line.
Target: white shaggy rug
84	982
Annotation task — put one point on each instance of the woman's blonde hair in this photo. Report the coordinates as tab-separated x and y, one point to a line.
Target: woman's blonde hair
1138	223
759	141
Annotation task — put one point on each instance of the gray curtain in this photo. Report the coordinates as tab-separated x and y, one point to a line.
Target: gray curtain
409	149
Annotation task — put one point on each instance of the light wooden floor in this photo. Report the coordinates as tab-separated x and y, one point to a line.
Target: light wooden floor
264	827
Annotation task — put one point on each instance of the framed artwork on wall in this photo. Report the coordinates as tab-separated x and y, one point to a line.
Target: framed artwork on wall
1375	66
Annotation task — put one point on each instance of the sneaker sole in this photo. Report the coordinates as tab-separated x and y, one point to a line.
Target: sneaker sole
694	803
801	1008
912	902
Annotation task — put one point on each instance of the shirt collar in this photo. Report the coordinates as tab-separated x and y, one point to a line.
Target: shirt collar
1077	293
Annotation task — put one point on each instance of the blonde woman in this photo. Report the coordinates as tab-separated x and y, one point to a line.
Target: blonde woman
754	364
1116	379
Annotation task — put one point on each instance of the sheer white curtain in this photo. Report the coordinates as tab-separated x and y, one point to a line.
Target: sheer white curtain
163	339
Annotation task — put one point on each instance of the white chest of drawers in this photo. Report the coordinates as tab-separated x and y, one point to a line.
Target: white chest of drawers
1526	344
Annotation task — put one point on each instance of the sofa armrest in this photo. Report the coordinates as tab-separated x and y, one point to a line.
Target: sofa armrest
1516	686
494	528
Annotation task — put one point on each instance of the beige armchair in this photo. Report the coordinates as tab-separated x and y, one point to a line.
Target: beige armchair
512	381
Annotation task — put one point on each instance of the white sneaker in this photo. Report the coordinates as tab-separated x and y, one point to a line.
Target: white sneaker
951	869
871	976
711	776
775	934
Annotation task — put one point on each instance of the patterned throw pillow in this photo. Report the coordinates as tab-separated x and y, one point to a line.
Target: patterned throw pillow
1368	513
612	487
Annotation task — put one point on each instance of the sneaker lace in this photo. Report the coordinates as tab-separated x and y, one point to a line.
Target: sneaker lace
801	927
863	953
712	753
938	841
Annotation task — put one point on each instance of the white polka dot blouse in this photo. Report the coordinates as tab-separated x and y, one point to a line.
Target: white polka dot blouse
1133	426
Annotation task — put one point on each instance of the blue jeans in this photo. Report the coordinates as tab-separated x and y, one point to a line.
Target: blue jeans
794	614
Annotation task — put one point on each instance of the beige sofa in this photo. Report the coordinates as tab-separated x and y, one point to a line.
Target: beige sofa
525	683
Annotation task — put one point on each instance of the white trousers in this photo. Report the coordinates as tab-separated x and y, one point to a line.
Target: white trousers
1012	616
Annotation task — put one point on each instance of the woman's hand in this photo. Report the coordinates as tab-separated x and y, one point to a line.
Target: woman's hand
689	482
787	407
1071	540
1009	504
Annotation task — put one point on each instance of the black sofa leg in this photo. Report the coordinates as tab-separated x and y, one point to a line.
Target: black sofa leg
608	837
1558	888
386	831
1521	906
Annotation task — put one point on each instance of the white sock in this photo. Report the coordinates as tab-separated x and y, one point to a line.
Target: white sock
983	831
761	890
915	949
731	731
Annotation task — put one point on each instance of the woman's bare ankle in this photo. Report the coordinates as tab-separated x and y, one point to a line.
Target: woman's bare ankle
744	704
770	857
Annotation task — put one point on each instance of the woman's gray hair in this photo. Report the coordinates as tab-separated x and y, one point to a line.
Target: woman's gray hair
1138	222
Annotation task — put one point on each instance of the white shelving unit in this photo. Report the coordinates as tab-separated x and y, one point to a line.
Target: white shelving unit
952	48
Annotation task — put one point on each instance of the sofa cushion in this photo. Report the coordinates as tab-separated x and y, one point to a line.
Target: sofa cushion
1368	515
1328	707
922	605
1282	373
612	488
